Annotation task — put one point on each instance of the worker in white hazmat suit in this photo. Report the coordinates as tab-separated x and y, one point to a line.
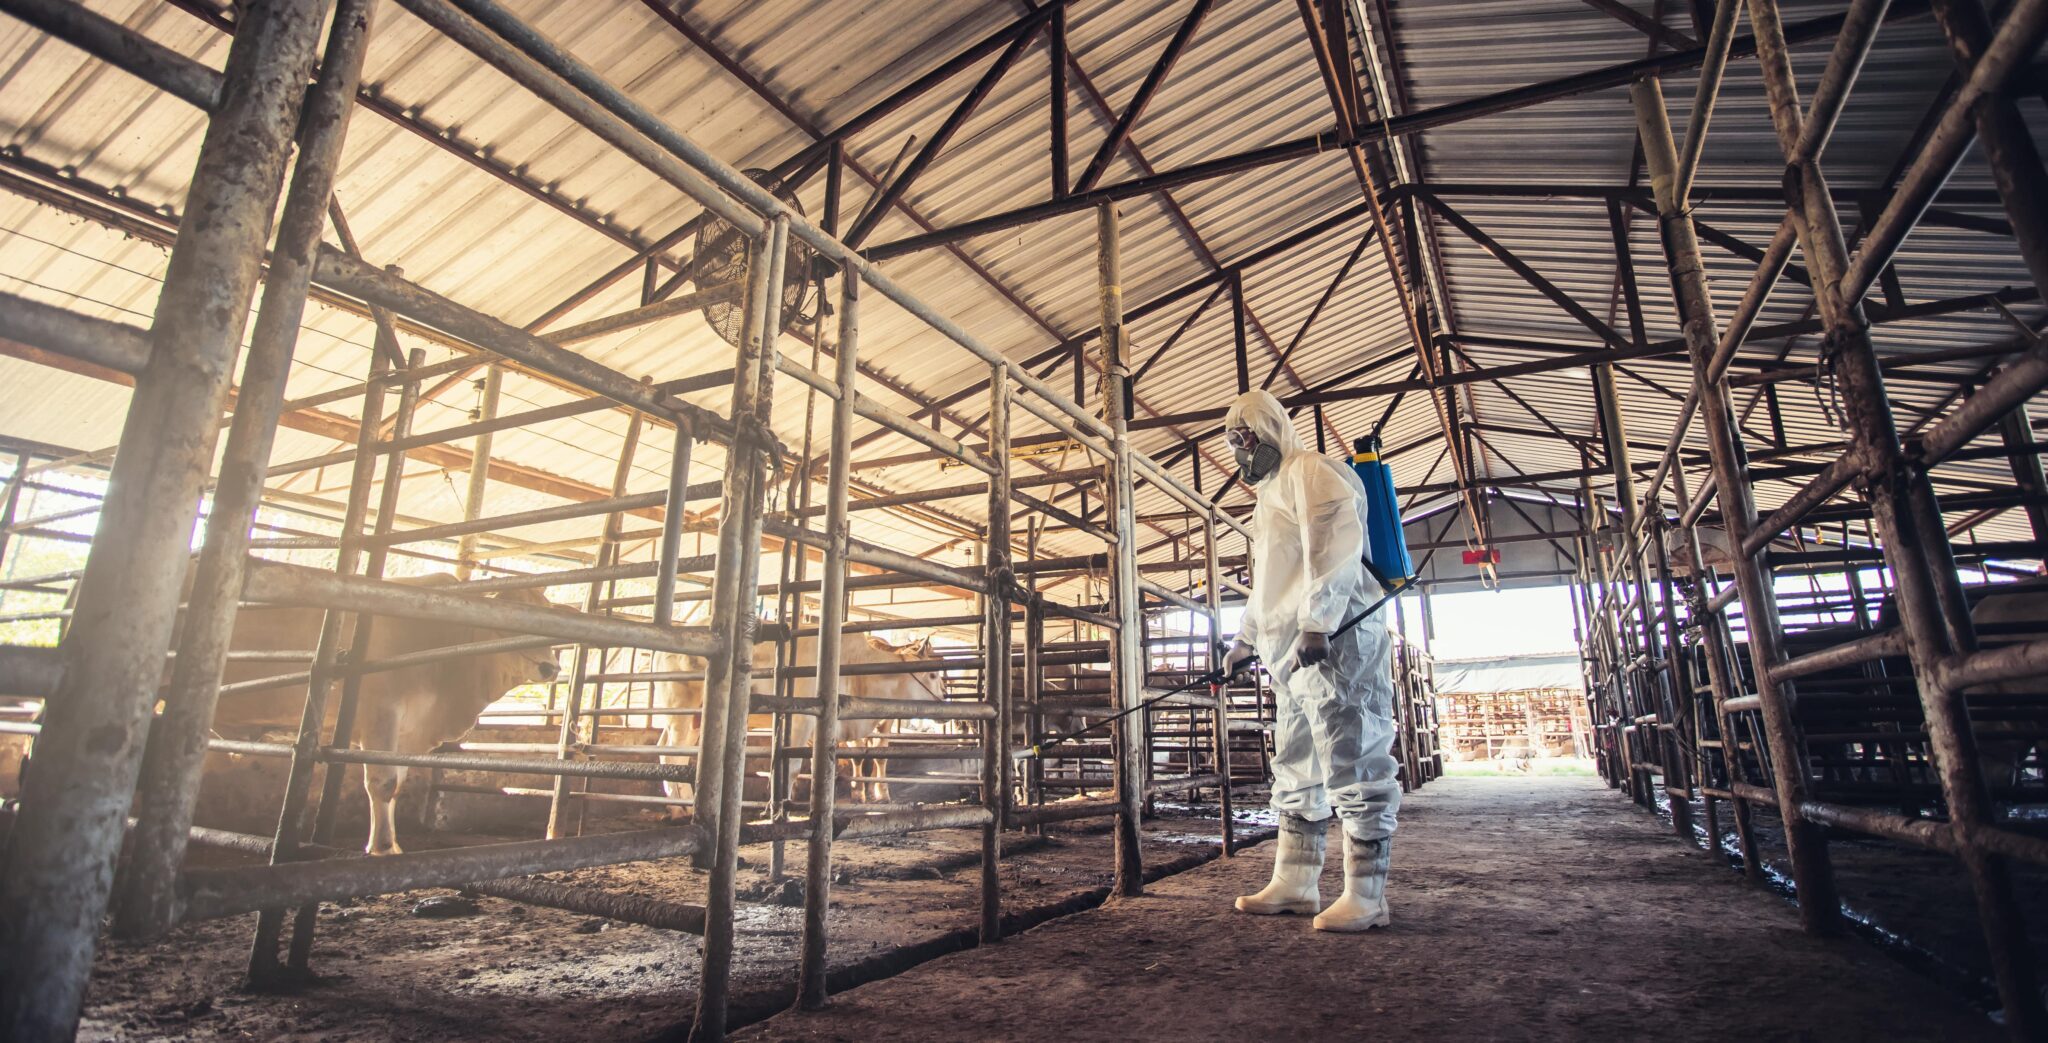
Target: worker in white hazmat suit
1334	733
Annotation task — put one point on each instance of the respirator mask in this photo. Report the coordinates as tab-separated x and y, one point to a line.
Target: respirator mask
1255	459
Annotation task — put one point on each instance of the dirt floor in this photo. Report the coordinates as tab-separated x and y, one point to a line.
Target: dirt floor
1914	904
515	972
1534	908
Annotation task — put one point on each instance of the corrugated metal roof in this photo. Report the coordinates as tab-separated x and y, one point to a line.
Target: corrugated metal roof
1248	79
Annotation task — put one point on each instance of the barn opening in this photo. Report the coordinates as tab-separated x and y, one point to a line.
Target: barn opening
684	519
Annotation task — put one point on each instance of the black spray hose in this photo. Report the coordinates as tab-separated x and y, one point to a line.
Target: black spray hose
1214	679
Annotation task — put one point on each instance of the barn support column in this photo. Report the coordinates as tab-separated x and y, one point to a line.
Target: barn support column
60	860
811	994
1127	665
172	765
1932	616
1212	590
263	956
565	811
1654	690
996	765
2017	431
479	469
1716	650
1820	907
728	688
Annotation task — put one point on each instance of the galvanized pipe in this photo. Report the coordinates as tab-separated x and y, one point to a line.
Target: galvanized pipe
101	342
2008	146
480	470
1712	65
745	493
60	861
212	893
571	730
278	583
173	764
1852	46
1819	906
560	768
338	271
2008	53
670	546
996	769
1931	614
1127	669
811	965
684	176
123	48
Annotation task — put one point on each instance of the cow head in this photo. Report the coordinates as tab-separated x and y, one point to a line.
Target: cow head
526	666
914	650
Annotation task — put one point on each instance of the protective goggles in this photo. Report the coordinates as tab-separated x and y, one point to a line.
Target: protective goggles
1241	438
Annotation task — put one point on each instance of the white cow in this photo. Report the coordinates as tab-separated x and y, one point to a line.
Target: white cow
1715	547
684	729
411	710
2002	758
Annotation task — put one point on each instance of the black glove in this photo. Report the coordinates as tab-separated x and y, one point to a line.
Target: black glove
1313	648
1234	661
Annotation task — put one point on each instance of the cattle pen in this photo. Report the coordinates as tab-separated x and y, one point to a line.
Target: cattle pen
797	486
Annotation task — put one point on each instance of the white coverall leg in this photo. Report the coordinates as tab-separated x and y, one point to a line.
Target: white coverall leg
1333	737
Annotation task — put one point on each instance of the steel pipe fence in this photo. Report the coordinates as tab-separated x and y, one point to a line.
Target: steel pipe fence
1179	749
1878	725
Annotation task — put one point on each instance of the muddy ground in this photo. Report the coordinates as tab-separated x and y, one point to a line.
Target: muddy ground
515	972
1533	908
1914	904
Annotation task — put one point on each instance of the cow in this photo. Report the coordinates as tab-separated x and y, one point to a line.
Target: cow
1715	547
685	729
410	710
2002	617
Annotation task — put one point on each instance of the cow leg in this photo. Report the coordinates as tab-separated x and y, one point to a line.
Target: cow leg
678	732
381	782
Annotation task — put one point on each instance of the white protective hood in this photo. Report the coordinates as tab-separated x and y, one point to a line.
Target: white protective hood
1308	537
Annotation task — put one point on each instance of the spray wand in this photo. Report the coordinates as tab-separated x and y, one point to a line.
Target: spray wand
1214	679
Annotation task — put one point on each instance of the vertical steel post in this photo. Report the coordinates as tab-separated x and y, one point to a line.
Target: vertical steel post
570	736
1931	613
479	471
177	750
996	766
732	676
1212	586
329	809
1034	688
1820	907
811	993
327	651
671	546
60	860
2018	434
1127	666
11	500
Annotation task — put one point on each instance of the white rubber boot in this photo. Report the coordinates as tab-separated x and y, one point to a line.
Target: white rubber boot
1363	905
1297	871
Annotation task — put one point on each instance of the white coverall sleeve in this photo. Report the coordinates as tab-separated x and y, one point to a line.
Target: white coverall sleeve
1248	623
1332	545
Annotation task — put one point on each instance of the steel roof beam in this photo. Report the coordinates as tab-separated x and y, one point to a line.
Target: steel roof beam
1644	24
1121	131
1400	126
1521	268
